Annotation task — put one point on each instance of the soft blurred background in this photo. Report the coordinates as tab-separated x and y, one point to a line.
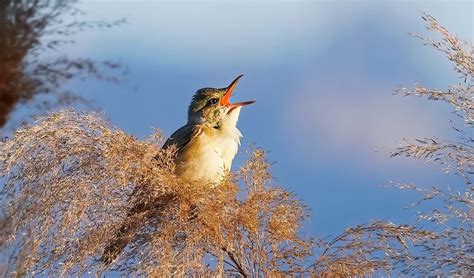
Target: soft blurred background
322	74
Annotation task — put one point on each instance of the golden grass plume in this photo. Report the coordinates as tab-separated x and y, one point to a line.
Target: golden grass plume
70	181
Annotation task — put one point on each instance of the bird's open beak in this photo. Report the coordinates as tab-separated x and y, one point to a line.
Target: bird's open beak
225	100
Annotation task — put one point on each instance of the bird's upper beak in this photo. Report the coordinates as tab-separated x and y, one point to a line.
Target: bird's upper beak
225	100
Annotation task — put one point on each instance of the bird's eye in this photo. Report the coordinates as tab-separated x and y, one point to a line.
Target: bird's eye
213	101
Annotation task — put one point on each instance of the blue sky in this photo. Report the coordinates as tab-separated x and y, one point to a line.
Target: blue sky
322	74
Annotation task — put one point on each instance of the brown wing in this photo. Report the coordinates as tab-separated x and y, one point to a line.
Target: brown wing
182	137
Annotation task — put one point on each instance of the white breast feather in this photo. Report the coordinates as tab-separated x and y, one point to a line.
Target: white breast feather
217	153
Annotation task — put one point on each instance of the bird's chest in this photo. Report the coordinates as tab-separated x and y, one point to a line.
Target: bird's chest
209	156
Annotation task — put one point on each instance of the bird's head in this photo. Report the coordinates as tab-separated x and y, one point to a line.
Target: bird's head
211	106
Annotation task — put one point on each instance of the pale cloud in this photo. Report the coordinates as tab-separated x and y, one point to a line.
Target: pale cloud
210	33
358	121
225	34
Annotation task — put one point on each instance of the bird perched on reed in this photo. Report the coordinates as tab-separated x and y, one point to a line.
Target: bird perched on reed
208	142
205	148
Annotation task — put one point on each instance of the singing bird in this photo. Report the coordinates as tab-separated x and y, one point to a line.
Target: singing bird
209	141
205	148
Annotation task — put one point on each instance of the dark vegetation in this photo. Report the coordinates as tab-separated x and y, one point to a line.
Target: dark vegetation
32	34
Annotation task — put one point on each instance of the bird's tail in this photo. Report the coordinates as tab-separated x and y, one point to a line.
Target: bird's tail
126	232
122	237
135	219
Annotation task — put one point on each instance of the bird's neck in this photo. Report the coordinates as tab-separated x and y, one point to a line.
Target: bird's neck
231	119
227	125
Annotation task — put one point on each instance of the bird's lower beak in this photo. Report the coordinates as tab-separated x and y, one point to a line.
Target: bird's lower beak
225	100
232	106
